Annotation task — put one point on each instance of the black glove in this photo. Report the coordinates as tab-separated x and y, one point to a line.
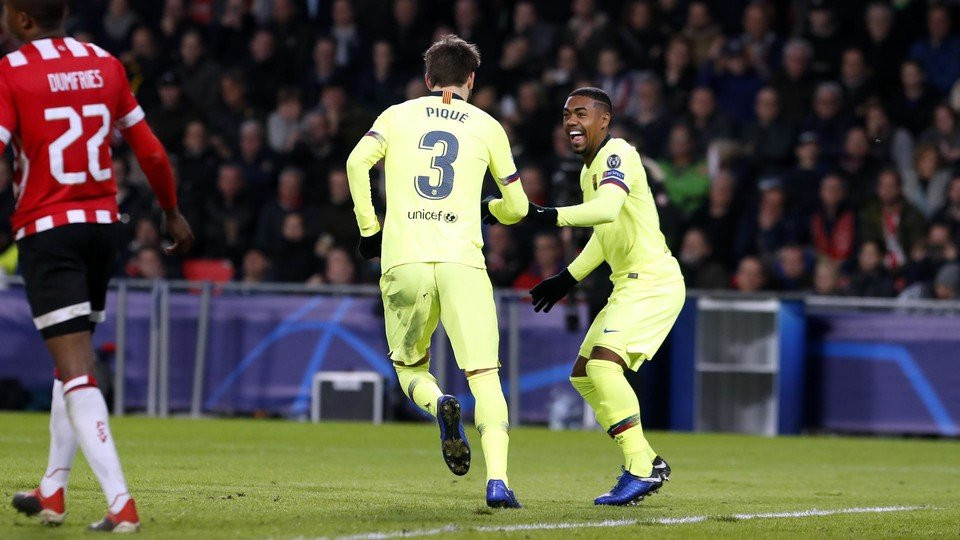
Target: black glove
369	246
485	216
543	215
549	291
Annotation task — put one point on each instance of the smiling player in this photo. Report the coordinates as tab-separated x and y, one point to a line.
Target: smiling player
648	289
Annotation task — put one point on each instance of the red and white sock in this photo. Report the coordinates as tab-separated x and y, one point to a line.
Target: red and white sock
89	417
63	445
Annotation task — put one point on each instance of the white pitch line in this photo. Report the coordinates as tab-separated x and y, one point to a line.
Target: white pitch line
621	522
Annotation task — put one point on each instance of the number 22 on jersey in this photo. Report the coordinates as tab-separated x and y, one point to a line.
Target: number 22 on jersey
72	135
449	147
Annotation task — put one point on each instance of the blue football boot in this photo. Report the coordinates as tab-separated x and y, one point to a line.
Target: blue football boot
630	489
453	440
500	496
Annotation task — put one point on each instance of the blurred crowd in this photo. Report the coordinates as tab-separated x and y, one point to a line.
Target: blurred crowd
791	145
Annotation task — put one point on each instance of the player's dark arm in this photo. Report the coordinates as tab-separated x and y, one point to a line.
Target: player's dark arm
155	163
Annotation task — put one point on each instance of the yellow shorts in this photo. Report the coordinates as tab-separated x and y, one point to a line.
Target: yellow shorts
636	320
417	295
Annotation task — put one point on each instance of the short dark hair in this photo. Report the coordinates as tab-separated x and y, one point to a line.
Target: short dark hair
595	94
451	60
48	14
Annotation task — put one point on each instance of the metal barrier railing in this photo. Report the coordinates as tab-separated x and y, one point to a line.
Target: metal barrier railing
158	374
507	302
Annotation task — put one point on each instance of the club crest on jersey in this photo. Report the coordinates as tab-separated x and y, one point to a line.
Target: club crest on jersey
613	161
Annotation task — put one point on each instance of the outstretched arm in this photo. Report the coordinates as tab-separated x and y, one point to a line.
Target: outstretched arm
588	260
513	206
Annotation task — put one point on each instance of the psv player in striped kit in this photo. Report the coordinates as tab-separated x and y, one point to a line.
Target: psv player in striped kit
59	102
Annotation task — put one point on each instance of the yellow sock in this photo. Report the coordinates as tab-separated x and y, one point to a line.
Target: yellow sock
589	393
420	386
619	404
490	417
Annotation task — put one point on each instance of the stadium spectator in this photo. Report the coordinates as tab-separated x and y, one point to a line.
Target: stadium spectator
772	227
381	84
334	218
256	267
913	105
950	213
147	264
855	79
888	143
821	33
855	163
734	81
679	74
289	198
170	117
944	134
538	35
700	269
706	122
283	124
769	138
701	30
547	261
685	176
761	43
826	278
751	275
640	36
339	268
718	218
827	118
503	258
947	283
929	255
792	269
871	278
889	220
793	81
880	44
230	216
648	115
939	51
800	182
294	259
925	184
199	74
833	224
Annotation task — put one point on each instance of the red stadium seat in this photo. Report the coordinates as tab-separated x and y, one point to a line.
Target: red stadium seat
215	270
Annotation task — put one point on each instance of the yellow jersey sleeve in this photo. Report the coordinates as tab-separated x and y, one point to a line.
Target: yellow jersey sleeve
371	149
513	206
588	260
604	208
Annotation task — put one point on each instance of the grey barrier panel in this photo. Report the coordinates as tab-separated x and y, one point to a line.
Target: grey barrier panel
163	391
154	351
513	359
120	369
200	361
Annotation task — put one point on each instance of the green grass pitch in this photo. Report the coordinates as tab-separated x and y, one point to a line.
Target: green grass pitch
279	479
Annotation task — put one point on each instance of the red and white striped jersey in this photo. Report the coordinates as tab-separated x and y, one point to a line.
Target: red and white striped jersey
59	102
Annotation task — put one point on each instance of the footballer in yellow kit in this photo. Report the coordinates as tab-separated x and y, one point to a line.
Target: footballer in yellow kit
648	289
437	150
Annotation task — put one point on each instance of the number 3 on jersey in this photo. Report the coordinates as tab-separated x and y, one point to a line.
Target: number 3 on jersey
442	163
73	133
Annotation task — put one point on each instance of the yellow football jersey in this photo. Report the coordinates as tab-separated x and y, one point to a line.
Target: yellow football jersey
437	150
619	204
